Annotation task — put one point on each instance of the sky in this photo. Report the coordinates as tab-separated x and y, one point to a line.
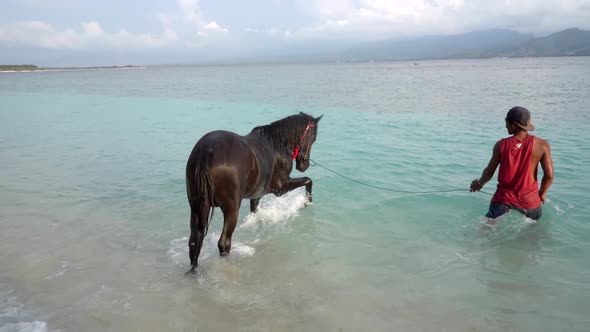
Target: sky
163	31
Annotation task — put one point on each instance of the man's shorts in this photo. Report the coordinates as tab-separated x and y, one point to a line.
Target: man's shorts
498	209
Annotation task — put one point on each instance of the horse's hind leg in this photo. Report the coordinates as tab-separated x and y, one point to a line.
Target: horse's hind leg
193	250
230	220
195	242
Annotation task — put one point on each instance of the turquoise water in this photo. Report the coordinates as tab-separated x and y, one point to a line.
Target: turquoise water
94	217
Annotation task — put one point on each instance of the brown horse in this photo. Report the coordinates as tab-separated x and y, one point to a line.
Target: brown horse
224	168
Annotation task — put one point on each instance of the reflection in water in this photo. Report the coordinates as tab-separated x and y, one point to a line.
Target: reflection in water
511	259
514	245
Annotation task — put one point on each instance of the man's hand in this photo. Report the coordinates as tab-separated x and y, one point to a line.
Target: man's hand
488	172
542	197
475	186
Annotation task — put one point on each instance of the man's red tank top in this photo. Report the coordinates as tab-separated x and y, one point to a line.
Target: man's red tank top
517	186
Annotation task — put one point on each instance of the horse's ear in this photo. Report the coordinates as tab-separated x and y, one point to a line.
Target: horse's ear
319	118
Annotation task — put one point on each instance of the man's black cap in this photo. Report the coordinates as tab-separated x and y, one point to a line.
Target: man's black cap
521	117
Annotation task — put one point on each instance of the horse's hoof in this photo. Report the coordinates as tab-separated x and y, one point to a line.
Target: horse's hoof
223	254
192	272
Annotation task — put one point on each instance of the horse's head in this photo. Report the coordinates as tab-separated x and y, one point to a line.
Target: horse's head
294	134
302	150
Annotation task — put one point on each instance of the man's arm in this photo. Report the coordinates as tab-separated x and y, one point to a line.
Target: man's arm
489	171
547	166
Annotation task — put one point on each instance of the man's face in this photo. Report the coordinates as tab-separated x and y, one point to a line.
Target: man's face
509	126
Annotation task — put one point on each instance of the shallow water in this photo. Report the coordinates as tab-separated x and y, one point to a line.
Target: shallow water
94	218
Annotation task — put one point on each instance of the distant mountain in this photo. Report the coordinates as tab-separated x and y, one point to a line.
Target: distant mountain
570	42
436	47
480	44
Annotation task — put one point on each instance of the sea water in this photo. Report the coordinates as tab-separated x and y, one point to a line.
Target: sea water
94	216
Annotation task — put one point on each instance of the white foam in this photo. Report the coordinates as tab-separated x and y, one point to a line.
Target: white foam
558	209
178	251
35	326
64	268
276	210
14	317
271	211
242	250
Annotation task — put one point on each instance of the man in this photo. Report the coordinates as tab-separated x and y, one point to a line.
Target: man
518	157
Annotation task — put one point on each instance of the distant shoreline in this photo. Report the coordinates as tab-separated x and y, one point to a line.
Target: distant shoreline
33	68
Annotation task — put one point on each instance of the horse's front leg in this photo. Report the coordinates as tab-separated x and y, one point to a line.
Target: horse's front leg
254	204
296	183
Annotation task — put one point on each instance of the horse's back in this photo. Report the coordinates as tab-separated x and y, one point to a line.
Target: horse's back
218	137
229	159
221	142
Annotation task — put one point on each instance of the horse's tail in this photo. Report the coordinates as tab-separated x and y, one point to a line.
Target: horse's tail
199	188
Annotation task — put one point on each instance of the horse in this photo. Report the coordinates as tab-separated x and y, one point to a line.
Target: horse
224	168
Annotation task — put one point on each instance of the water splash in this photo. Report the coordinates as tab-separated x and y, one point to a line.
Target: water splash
35	326
63	269
14	317
272	211
276	210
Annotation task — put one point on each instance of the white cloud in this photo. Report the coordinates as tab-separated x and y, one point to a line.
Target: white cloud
186	27
334	8
92	29
191	11
278	33
374	19
195	23
43	34
213	26
39	33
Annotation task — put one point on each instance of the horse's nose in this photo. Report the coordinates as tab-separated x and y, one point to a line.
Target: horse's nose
303	166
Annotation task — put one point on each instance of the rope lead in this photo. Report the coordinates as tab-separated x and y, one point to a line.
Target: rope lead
314	163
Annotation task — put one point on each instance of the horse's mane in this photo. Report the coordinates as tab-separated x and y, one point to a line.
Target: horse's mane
286	132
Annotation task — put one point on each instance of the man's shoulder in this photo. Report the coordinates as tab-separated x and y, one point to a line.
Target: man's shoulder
540	141
541	145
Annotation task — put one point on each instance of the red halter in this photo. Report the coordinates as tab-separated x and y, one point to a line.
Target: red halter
297	148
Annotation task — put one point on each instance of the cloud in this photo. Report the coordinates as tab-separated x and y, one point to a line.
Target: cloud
213	26
92	29
193	17
191	11
43	34
38	33
375	19
186	27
